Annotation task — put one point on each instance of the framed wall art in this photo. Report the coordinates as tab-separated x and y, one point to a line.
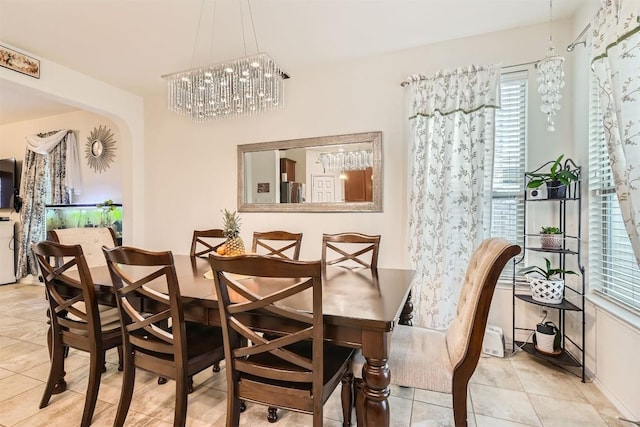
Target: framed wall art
19	62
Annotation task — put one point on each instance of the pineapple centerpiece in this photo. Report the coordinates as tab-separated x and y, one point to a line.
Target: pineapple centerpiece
233	244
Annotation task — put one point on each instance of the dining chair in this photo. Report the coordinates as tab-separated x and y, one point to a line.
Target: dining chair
354	249
92	239
294	369
76	320
444	360
206	241
277	243
157	338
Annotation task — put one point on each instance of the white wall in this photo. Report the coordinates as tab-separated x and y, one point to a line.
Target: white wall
97	187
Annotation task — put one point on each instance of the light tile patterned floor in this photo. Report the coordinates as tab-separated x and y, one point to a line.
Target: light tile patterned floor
515	391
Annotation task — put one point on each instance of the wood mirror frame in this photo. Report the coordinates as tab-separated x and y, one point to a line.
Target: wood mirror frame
375	205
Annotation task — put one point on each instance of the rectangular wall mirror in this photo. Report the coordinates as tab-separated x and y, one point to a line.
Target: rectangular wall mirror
340	173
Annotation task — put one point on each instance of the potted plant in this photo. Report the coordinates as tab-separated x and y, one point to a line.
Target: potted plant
551	238
546	284
547	338
557	179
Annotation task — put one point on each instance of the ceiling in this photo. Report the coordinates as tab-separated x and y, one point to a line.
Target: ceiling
131	43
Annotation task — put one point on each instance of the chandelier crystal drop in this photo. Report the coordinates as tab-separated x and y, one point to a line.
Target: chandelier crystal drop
244	86
550	79
346	160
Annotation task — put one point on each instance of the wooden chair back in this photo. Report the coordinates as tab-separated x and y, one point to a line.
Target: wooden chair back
273	363
74	315
277	243
146	325
206	241
350	249
75	319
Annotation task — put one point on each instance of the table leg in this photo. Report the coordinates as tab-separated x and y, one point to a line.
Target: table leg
374	403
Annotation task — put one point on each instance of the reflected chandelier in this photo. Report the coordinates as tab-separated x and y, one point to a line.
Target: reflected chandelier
242	86
346	160
550	79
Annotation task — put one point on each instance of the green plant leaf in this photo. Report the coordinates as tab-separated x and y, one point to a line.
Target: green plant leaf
546	272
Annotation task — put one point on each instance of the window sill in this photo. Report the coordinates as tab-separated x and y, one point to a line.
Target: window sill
615	310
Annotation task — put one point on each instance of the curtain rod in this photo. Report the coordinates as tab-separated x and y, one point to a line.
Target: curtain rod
577	41
406	82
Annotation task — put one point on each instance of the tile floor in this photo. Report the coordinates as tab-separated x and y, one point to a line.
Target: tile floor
515	391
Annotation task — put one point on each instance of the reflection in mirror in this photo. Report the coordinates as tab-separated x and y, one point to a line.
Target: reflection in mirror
324	174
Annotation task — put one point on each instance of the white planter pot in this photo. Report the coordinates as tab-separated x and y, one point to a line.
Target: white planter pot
547	291
544	342
551	241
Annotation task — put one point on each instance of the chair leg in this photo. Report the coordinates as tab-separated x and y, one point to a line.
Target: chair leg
233	412
182	389
460	404
96	366
347	398
120	358
272	414
359	392
216	367
128	381
55	382
162	380
60	384
190	384
104	362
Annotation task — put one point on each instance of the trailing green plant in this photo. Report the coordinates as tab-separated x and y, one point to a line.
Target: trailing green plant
546	272
556	173
107	205
550	230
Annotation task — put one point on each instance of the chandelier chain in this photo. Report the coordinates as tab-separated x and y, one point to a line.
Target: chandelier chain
244	40
253	26
213	29
550	22
195	43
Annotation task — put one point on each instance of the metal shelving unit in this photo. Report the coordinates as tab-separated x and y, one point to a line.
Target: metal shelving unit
572	352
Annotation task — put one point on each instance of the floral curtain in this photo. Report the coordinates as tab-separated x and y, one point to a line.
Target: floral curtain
450	157
615	56
44	181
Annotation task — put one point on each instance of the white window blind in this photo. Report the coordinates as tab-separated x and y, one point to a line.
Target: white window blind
613	270
507	204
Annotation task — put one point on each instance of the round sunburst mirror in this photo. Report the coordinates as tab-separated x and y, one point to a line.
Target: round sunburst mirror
100	149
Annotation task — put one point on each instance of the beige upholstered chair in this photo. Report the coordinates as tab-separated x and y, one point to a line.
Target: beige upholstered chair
92	239
443	361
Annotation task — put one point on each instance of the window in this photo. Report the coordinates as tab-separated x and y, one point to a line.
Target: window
613	270
509	159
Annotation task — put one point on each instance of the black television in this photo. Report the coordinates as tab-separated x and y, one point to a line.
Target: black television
8	183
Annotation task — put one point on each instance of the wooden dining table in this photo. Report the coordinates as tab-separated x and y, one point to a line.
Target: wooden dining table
361	308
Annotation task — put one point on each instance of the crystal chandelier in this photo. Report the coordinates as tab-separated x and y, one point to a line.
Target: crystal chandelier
242	86
346	160
550	79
